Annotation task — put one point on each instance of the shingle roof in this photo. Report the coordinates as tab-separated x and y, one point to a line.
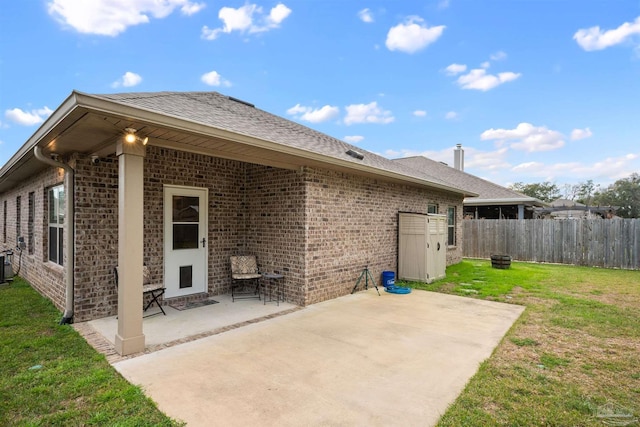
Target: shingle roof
220	111
486	190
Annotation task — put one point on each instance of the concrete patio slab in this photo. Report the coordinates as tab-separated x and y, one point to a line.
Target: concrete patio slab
355	360
177	325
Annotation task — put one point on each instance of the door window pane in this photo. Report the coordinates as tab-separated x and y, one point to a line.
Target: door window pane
185	236
185	209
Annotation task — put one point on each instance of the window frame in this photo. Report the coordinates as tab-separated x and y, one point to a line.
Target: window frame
451	225
18	217
4	224
432	208
31	223
55	224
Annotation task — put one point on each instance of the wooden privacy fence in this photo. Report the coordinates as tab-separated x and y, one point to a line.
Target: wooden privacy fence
609	243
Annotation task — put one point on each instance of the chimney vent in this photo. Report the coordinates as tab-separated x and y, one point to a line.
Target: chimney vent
458	158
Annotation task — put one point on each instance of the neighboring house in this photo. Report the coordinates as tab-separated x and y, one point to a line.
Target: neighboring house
492	201
570	209
204	177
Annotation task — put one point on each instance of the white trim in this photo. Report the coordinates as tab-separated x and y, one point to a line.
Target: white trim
203	194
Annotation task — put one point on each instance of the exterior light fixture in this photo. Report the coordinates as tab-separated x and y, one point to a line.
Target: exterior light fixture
131	137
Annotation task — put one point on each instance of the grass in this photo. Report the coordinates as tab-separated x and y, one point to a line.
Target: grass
572	356
50	376
572	359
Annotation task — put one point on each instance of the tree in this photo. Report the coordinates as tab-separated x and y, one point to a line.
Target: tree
624	193
545	191
585	191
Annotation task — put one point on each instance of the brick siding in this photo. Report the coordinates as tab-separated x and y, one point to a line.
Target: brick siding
46	277
317	227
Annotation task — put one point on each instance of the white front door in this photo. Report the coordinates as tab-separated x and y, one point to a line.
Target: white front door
185	240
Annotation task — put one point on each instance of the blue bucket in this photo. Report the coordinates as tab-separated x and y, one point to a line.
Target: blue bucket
388	278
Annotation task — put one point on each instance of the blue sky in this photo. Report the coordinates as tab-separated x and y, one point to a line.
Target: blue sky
534	90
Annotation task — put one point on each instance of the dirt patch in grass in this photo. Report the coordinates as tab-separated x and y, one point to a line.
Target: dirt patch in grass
447	288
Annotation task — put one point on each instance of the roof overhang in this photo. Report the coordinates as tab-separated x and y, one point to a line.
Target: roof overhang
474	201
91	125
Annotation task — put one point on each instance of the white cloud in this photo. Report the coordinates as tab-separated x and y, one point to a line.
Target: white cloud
454	69
486	160
473	158
478	79
112	17
354	139
485	65
498	56
526	137
249	18
412	35
451	115
577	134
367	113
297	109
318	115
595	39
28	118
192	8
608	169
365	15
212	78
129	79
278	14
443	4
420	113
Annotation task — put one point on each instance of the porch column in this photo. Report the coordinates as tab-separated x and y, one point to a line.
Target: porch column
129	338
520	211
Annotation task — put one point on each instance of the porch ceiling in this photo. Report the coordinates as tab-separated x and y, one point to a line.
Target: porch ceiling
92	133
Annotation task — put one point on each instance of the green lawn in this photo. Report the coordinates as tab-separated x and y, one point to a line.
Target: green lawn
573	357
50	376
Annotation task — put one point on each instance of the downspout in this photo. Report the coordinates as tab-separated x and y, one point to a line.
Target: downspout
69	230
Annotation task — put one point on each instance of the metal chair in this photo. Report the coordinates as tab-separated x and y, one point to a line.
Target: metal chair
244	270
154	290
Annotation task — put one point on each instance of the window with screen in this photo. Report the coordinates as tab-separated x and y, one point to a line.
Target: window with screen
56	224
451	226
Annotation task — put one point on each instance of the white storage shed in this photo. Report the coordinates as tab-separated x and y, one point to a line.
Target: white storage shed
422	246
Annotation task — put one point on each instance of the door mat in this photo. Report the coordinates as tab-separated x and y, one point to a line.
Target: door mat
193	304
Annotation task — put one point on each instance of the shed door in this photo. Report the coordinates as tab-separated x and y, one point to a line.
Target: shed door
185	244
412	247
436	247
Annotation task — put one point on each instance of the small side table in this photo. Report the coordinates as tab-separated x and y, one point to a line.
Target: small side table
270	278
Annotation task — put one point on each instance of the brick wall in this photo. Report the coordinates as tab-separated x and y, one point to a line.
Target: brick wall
225	181
96	237
97	222
46	277
318	228
351	222
275	225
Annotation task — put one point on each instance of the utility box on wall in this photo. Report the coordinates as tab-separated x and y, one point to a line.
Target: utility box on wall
422	246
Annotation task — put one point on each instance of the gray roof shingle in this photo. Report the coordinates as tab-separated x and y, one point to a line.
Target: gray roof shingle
222	112
486	190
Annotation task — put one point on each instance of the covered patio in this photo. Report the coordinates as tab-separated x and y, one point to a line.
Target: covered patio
184	325
180	182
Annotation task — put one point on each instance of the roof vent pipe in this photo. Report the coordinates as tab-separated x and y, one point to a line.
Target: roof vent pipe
355	154
458	158
69	229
